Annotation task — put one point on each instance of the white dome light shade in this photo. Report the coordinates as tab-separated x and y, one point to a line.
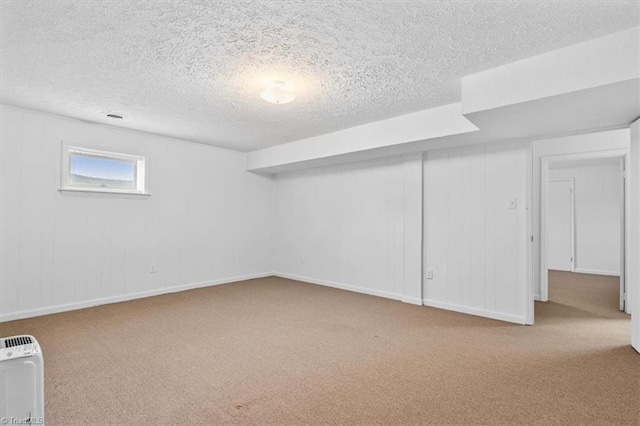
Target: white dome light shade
276	93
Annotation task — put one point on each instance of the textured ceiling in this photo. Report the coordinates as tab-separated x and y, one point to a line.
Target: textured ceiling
194	69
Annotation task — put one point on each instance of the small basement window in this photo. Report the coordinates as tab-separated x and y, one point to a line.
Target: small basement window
92	170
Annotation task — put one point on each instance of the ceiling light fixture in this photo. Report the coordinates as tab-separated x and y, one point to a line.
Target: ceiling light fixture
276	93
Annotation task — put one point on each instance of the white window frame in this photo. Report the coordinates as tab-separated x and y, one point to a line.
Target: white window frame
140	171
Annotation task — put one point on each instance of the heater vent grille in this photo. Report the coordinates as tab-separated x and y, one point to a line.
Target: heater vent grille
17	341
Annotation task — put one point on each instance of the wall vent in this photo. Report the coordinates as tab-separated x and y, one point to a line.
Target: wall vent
17	341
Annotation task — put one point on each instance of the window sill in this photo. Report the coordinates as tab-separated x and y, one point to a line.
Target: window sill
102	193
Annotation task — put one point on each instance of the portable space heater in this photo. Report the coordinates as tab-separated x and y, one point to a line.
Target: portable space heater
21	381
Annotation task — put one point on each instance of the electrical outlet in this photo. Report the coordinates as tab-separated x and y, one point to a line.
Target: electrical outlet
152	268
429	274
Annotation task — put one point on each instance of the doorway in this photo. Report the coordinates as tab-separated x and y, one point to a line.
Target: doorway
584	227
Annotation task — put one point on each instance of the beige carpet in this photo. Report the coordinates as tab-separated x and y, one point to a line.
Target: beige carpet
274	351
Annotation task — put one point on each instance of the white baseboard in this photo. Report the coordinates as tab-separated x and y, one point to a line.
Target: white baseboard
363	290
475	311
411	300
124	297
597	272
139	295
537	297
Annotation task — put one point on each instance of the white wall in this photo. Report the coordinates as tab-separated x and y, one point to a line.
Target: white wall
207	220
475	243
597	217
343	226
576	145
358	227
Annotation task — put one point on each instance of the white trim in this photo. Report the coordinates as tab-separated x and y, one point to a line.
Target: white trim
633	267
544	269
448	306
411	300
103	193
597	272
125	297
529	297
475	311
624	243
356	289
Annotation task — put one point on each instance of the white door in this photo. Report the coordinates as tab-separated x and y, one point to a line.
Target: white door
560	225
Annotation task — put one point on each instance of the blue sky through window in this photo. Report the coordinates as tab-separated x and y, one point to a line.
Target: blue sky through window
103	168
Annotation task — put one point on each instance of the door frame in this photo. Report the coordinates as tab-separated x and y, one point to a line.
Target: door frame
545	161
626	234
572	218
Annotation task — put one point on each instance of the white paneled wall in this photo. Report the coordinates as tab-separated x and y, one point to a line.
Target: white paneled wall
352	227
343	226
207	220
597	216
475	220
